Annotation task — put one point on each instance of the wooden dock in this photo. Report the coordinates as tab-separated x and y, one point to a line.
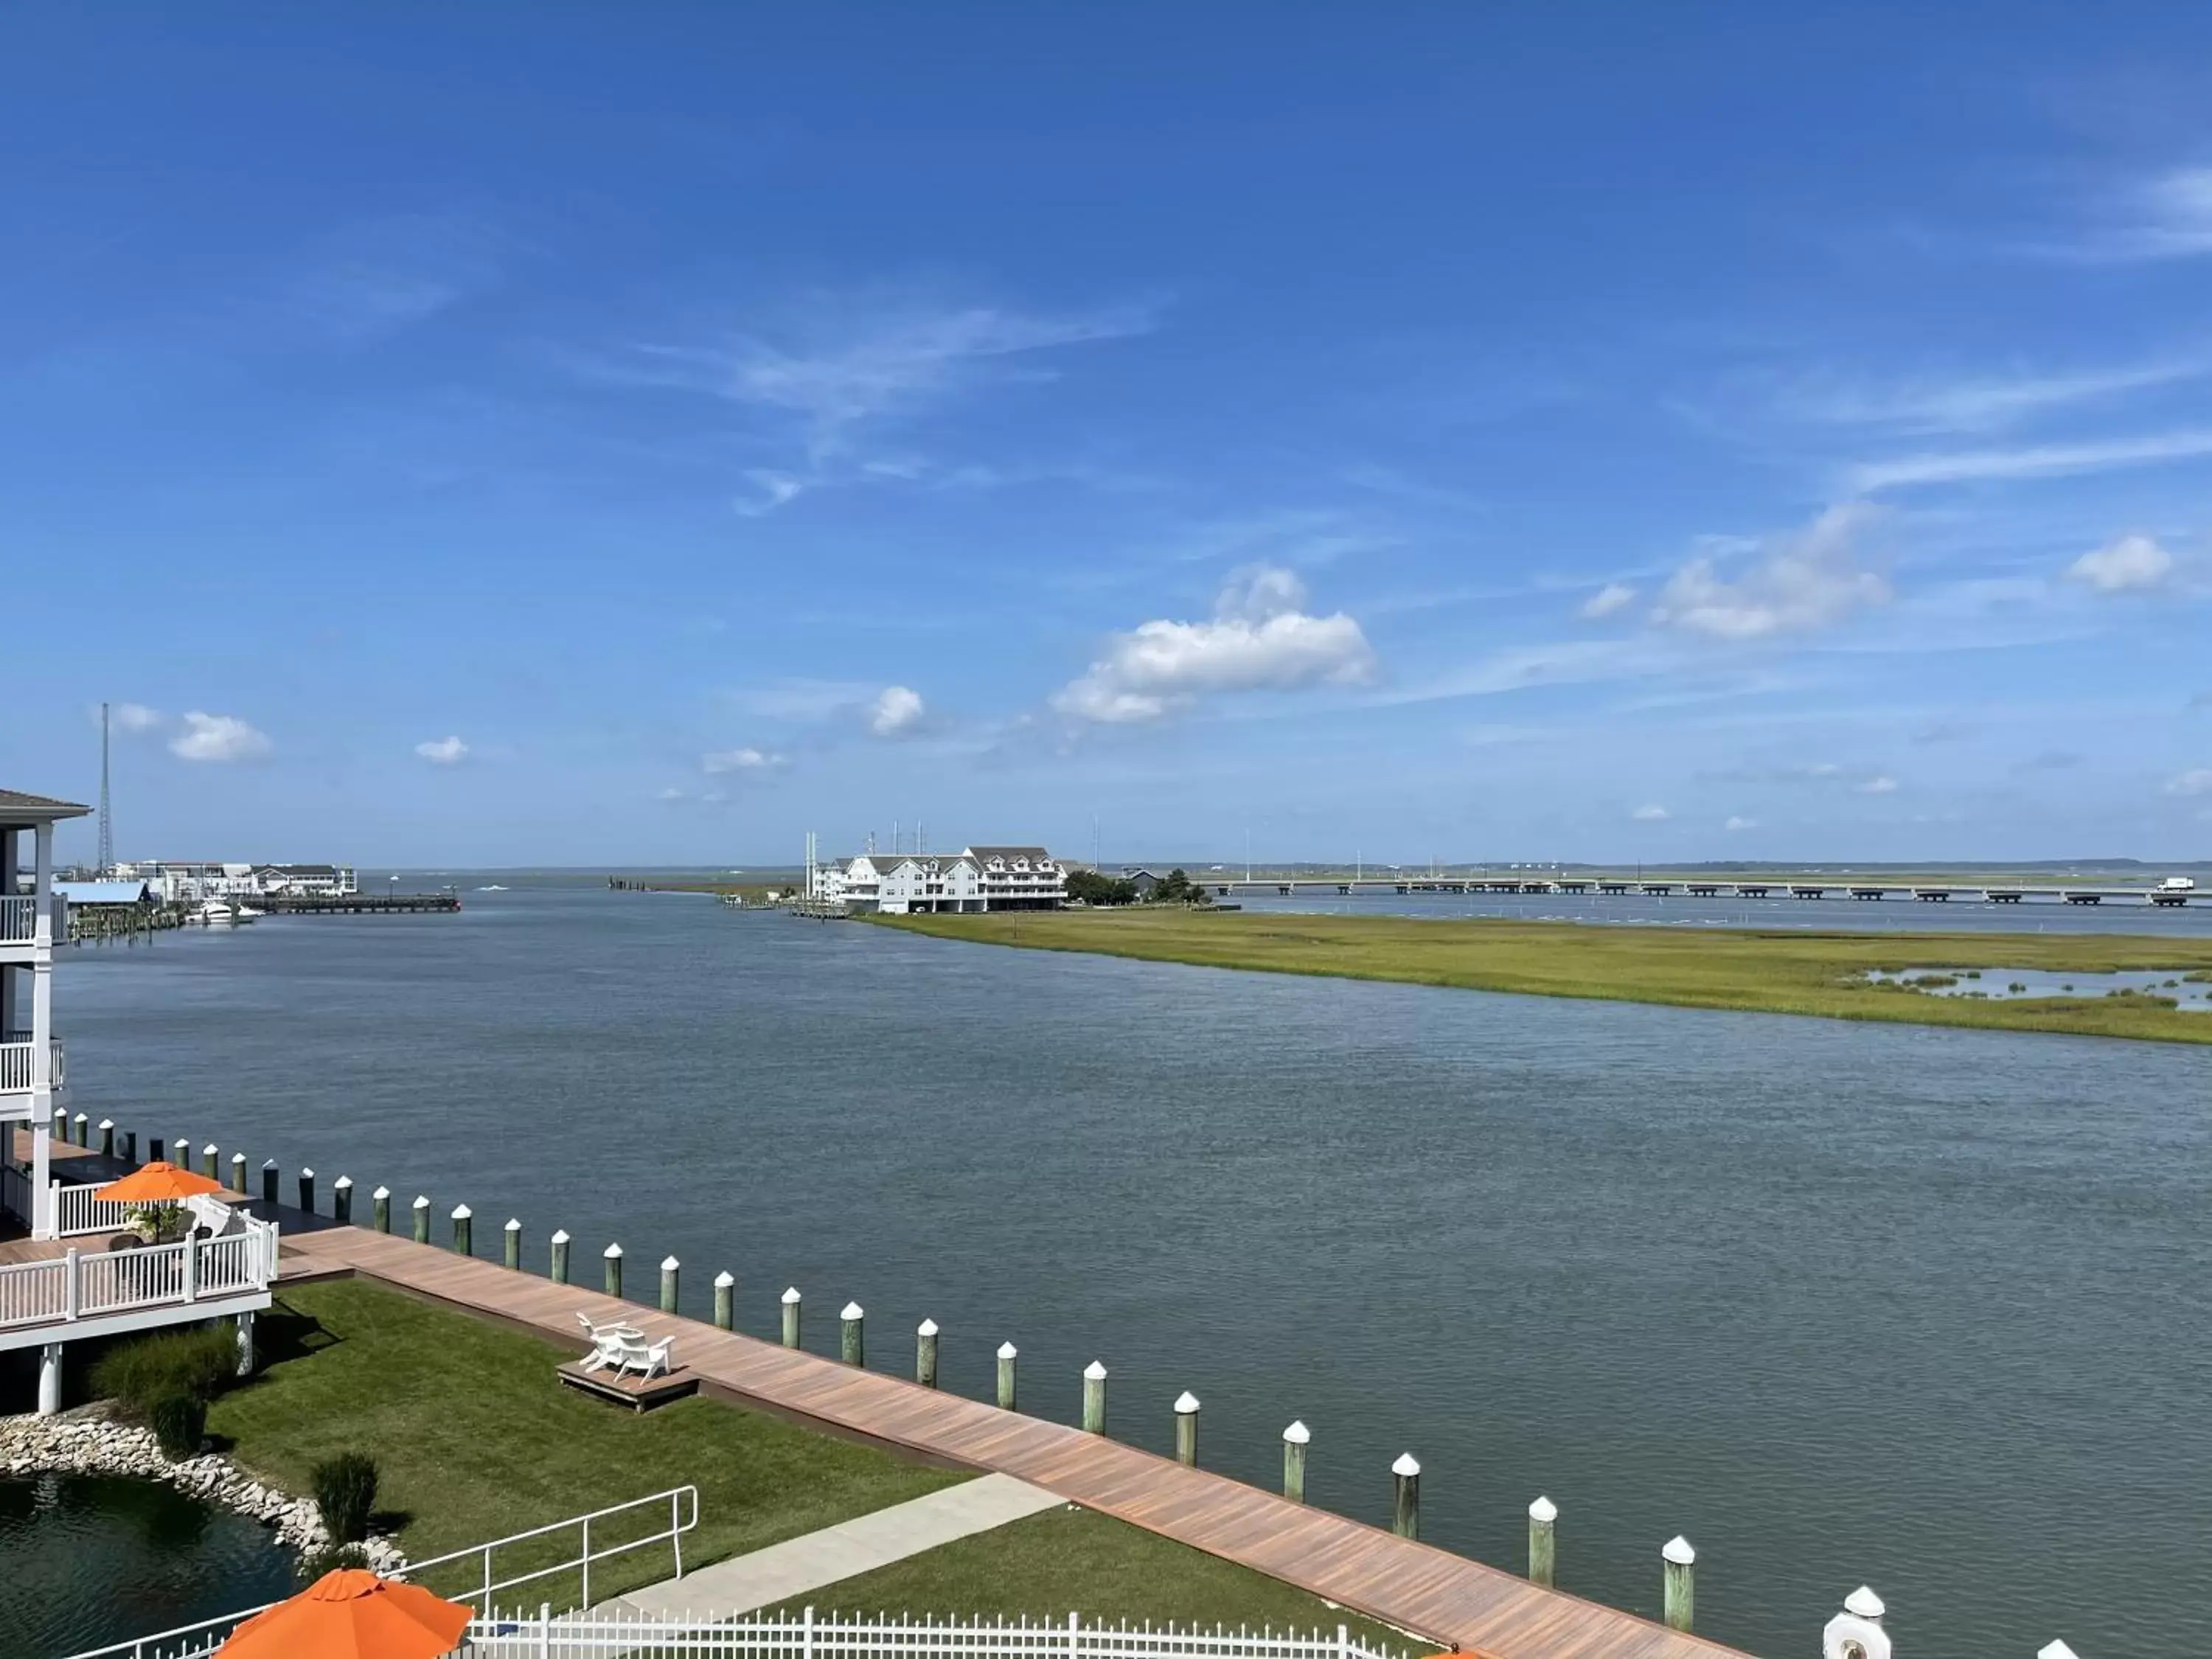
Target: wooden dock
1416	1586
355	904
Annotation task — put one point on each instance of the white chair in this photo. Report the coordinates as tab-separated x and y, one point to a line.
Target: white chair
609	1343
648	1359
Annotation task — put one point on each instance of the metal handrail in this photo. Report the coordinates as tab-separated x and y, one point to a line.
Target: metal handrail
196	1640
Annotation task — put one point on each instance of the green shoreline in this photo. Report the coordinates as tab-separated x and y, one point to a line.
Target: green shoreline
1744	969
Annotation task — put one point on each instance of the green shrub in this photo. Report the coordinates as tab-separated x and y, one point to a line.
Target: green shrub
179	1423
329	1558
199	1363
345	1492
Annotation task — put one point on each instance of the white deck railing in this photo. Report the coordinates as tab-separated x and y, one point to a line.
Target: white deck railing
19	1067
78	1211
19	919
79	1285
551	1636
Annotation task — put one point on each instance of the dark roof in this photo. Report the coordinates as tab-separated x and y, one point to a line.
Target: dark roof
1032	853
16	807
299	869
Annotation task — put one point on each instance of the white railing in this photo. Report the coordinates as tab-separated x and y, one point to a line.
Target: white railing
19	919
78	1211
79	1285
19	1067
196	1641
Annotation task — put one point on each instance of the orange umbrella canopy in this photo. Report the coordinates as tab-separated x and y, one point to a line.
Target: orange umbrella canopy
158	1183
352	1614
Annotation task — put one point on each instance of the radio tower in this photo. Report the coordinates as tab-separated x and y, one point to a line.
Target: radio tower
107	830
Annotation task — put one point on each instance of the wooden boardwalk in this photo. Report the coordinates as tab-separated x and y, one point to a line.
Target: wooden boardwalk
1416	1586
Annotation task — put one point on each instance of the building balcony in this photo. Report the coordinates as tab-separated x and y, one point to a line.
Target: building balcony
20	918
19	1076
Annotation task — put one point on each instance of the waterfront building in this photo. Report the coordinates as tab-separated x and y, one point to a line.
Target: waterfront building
307	880
32	1074
189	881
974	880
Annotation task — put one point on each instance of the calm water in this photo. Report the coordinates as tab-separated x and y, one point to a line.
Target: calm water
1841	1302
86	1562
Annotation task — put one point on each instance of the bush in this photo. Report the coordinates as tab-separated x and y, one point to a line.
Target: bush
329	1558
179	1424
345	1492
199	1364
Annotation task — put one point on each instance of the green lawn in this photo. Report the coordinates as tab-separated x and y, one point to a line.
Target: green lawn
476	1440
1784	971
1073	1560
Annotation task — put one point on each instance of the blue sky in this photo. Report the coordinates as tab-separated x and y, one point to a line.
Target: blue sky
514	435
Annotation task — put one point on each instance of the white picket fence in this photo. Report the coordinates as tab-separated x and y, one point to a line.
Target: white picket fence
78	1286
80	1212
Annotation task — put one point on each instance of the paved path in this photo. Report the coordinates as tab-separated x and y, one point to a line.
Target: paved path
1416	1587
791	1569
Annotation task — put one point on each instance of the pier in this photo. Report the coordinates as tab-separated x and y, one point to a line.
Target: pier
1795	887
355	904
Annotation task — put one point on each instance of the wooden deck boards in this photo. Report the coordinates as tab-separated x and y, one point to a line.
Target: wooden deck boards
1414	1585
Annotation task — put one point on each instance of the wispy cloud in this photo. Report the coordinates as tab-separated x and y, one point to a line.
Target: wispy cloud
1613	597
1738	823
443	751
723	762
219	737
2132	564
1808	580
133	718
2196	781
896	712
2167	216
1980	403
1653	813
1881	785
2031	461
379	276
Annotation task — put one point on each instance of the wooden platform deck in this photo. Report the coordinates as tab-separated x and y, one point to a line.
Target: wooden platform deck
1421	1588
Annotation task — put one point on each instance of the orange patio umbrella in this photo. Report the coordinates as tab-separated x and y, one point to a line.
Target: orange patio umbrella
351	1614
158	1183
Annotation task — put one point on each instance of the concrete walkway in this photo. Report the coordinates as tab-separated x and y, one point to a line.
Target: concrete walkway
784	1571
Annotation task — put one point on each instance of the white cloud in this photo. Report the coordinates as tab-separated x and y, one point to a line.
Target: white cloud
1884	785
136	717
776	489
1981	404
2166	217
722	760
1735	823
1613	597
1652	814
1262	638
2036	461
2129	565
2196	781
896	710
1805	580
443	751
218	737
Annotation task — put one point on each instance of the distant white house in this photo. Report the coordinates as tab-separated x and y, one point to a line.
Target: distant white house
973	880
308	880
188	881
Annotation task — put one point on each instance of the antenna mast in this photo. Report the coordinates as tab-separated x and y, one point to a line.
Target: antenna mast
106	828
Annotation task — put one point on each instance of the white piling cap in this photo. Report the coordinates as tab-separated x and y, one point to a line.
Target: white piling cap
1677	1549
612	1251
560	1236
209	1147
1007	1350
107	1123
514	1224
927	1327
381	1192
305	1174
343	1181
790	1297
1297	1434
724	1280
1094	1372
2056	1650
1405	1464
422	1199
1863	1602
669	1264
462	1212
1186	1403
1544	1510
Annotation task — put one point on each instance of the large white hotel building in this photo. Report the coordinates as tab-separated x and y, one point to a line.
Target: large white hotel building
974	879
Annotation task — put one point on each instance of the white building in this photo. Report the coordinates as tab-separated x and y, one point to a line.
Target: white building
30	1070
188	881
973	880
307	880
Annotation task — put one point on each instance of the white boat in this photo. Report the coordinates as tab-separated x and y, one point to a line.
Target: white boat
246	913
494	887
214	913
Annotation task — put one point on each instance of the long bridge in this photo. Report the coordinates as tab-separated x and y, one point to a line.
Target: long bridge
1790	887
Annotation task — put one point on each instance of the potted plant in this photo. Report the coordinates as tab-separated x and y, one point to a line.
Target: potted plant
156	1223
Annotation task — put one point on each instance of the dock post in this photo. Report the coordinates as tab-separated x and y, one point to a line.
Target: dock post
464	1230
612	1257
130	1149
726	1301
238	1175
849	1347
379	1204
513	1256
83	1129
209	1165
1094	1398
1406	1512
107	1136
2055	1650
925	1353
1543	1541
308	1190
1006	1352
1294	1461
422	1218
1680	1574
268	1176
791	1317
1858	1629
342	1199
669	1267
560	1243
180	1149
1186	1414
153	1149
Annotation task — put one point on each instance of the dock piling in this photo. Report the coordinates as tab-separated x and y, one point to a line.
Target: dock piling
268	1176
670	1268
925	1353
513	1252
153	1149
559	1264
308	1190
464	1230
1405	1511
130	1150
791	1317
1186	1416
1007	1354
612	1257
1543	1541
1680	1582
422	1218
238	1175
209	1165
107	1136
849	1345
1294	1461
380	1203
1094	1398
1858	1629
726	1301
84	1130
342	1199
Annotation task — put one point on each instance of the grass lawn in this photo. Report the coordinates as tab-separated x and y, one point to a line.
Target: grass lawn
476	1440
1073	1560
1783	972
